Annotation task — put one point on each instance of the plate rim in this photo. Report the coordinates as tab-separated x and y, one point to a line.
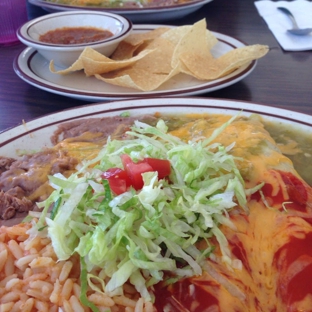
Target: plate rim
22	67
115	107
130	11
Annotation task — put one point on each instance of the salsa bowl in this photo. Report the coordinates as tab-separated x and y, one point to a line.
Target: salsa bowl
65	52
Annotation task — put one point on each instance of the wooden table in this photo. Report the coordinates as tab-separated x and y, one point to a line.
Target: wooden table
281	79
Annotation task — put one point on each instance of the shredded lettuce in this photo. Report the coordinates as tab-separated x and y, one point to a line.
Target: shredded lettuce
138	235
84	286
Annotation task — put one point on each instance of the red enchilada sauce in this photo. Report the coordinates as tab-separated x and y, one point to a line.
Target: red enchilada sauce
284	247
75	35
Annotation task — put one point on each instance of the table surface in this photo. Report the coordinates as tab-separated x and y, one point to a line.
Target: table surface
281	78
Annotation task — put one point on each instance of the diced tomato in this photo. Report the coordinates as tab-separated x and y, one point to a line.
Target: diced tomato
118	180
162	166
298	191
135	170
296	188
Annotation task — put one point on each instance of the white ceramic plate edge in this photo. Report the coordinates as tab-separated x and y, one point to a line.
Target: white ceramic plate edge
136	15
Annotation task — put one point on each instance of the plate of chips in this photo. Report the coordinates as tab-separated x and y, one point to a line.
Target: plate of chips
136	10
153	61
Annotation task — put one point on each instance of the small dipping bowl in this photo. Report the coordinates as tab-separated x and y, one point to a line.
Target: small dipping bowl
64	55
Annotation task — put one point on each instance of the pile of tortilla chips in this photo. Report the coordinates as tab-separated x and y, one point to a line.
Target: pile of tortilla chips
145	61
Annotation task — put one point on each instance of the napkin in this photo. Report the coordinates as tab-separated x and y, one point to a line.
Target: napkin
278	22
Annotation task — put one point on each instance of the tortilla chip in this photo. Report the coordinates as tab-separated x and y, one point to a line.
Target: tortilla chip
127	48
149	72
205	67
194	57
78	65
174	35
92	67
191	44
94	62
124	51
159	61
137	39
138	79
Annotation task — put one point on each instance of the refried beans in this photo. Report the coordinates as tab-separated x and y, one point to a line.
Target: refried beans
24	181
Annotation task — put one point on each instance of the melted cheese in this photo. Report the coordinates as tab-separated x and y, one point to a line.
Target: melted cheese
259	279
85	146
253	144
78	148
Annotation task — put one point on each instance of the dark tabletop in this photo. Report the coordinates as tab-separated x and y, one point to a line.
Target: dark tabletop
281	78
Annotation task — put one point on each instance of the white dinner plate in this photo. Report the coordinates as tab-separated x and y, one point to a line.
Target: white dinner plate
30	66
140	15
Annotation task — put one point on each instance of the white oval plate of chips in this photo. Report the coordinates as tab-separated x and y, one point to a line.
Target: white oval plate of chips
138	15
31	67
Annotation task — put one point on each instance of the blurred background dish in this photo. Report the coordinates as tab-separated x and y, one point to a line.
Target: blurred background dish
165	10
66	51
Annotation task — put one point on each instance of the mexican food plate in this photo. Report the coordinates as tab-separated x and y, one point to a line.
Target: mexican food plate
158	204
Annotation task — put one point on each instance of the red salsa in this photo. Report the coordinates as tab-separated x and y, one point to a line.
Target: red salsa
75	35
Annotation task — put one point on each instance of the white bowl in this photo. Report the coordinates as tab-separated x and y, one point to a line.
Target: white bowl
65	55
